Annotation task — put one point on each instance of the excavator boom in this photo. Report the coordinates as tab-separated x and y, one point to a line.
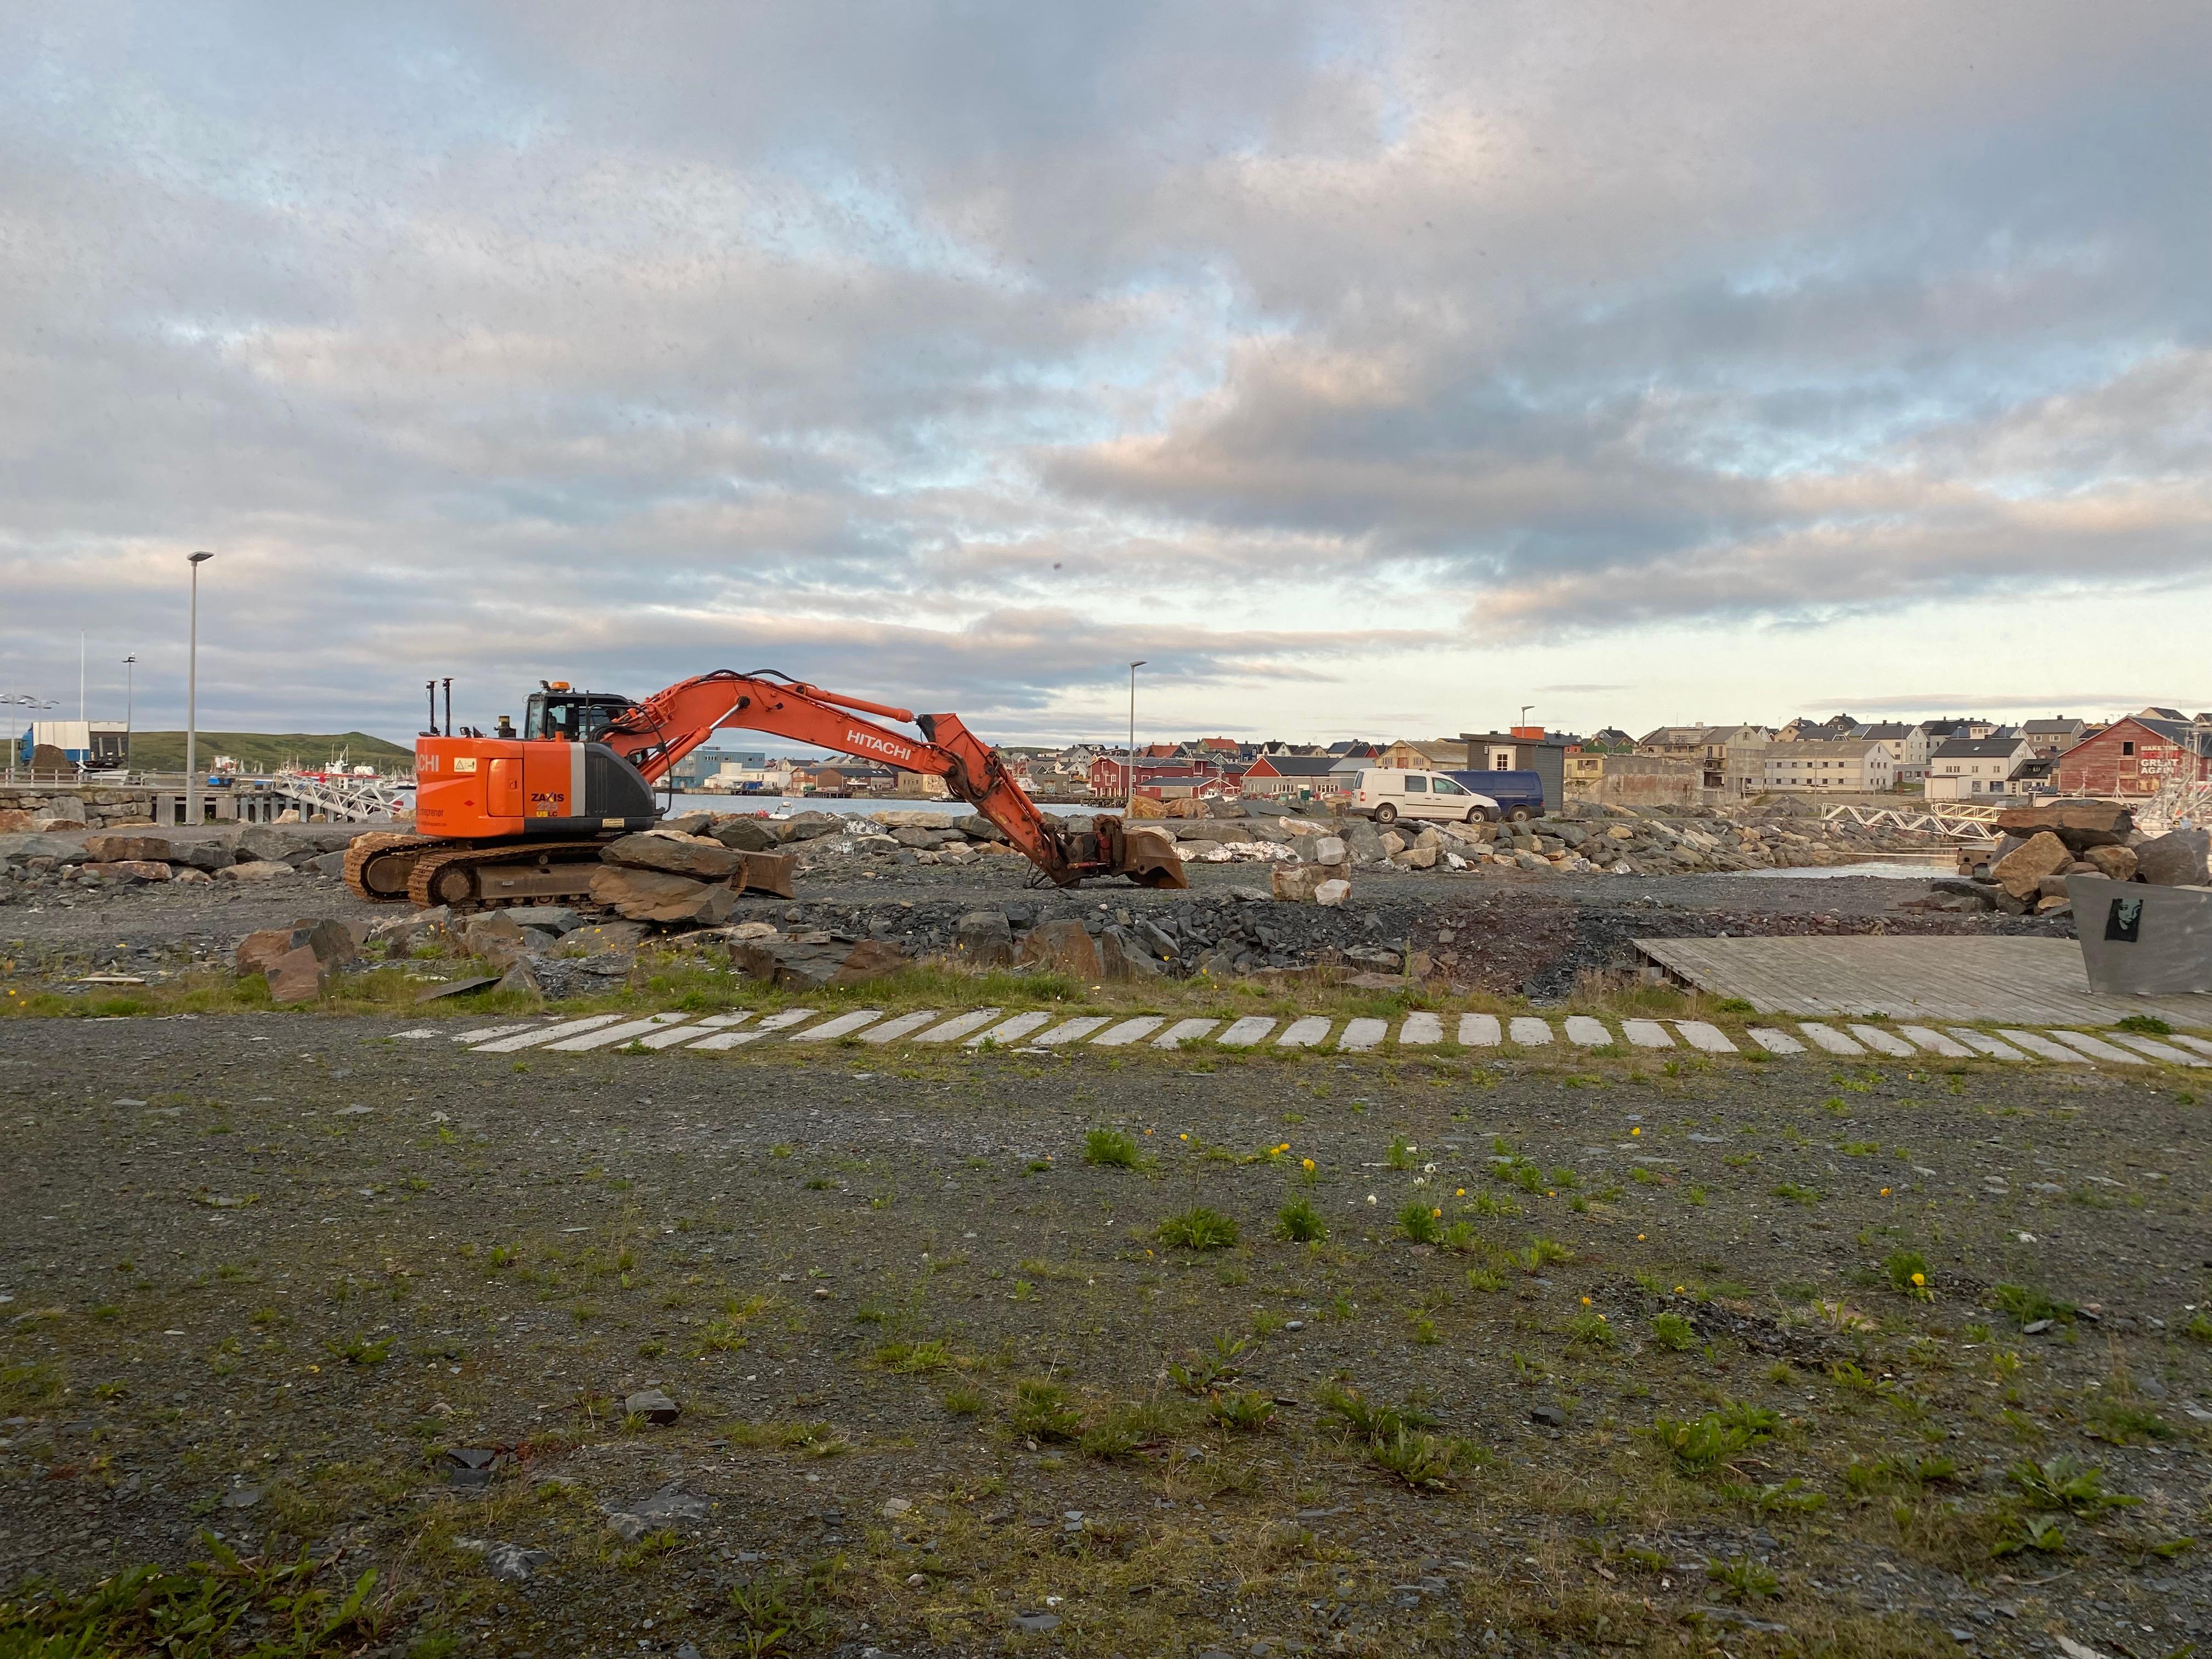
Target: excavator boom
657	733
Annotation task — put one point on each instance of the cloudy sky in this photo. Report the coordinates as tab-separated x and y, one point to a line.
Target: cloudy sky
1369	369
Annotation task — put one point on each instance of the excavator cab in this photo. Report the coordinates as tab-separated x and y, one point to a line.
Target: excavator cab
571	716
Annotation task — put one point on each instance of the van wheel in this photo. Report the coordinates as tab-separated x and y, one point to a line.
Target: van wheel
1478	814
1386	813
1521	815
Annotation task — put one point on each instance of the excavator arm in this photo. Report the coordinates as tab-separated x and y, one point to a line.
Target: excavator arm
655	734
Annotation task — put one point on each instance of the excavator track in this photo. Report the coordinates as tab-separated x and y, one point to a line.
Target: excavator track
377	865
452	873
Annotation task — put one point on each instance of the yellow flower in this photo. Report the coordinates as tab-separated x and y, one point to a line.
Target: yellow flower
1920	1279
1462	1193
1306	1163
1885	1192
1639	1238
1183	1137
1636	1132
1435	1213
1586	1302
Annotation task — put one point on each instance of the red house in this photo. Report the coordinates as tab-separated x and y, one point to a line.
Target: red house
2134	758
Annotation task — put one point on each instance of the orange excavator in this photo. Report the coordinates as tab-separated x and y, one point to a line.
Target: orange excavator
516	816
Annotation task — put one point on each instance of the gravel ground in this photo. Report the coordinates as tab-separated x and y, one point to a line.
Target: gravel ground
1514	932
947	1388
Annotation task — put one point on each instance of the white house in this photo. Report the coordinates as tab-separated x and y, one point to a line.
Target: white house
1972	768
1840	765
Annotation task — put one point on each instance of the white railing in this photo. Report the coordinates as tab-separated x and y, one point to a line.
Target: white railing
1961	819
342	800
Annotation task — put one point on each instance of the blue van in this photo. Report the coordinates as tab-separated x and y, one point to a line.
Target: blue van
1519	795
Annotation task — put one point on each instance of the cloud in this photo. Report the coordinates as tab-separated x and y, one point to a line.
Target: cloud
1305	349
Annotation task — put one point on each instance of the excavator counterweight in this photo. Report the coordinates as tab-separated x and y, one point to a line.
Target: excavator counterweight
524	815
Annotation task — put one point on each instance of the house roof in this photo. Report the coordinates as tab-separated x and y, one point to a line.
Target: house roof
1977	747
1295	766
1837	748
1674	735
1888	730
2051	728
2196	739
2154	713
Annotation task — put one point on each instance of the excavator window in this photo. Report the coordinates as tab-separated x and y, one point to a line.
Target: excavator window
571	716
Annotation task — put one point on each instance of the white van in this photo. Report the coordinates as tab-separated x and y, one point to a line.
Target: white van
1387	795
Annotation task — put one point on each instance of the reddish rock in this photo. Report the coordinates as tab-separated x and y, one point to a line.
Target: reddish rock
700	859
330	942
657	896
2021	872
298	976
116	849
808	964
2116	862
2081	824
1062	947
1297	883
131	869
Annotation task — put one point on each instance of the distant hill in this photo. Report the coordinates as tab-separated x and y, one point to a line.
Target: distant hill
264	751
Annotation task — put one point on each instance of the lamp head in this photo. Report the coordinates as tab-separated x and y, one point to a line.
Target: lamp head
1140	662
198	558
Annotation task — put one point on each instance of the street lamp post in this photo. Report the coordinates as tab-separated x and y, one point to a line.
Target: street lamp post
192	698
129	691
1133	667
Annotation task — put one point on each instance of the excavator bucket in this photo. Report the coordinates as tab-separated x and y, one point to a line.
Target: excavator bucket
1148	857
767	873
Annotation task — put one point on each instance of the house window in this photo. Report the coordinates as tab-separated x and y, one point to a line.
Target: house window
2127	748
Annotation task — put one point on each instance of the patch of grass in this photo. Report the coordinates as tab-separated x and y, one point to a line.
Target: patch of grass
1421	1223
1242	1413
1909	1275
1042	1410
2044	1533
1351	1413
2064	1484
1539	1254
781	1612
1199	1229
1593	1330
964	1403
1743	1579
815	1439
2143	1026
1112	1149
2027	1305
1398	1155
1300	1223
918	1359
1673	1332
1703	1444
1425	1461
360	1350
1790	1191
2123	1422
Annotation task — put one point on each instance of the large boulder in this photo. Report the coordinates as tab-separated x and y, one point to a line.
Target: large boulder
809	963
743	835
296	961
809	826
1296	883
2118	863
2021	872
255	870
298	976
130	869
2177	859
501	941
2081	824
657	896
984	938
1363	841
700	859
1061	947
121	849
61	850
1123	957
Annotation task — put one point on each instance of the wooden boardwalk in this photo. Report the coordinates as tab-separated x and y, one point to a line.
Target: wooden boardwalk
2034	981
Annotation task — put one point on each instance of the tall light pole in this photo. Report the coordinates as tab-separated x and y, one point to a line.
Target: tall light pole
1133	667
192	698
130	689
1525	708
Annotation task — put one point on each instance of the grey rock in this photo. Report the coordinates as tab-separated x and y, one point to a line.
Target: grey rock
745	834
1122	958
809	963
553	919
808	826
1550	1417
602	938
700	859
511	1563
653	1406
984	938
524	976
1037	1621
2177	859
17	849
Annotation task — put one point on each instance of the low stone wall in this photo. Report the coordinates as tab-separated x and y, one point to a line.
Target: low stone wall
95	808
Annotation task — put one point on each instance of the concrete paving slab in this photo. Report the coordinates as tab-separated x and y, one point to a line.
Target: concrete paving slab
1182	1031
1827	1037
1419	1030
1011	1029
1530	1031
1881	1041
2043	1048
1934	1042
2154	1049
901	1025
1983	1044
773	1023
1587	1033
1477	1031
1071	1030
1247	1032
1646	1034
1705	1036
531	1039
2096	1048
1360	1036
843	1026
1128	1031
1305	1033
1775	1041
960	1025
